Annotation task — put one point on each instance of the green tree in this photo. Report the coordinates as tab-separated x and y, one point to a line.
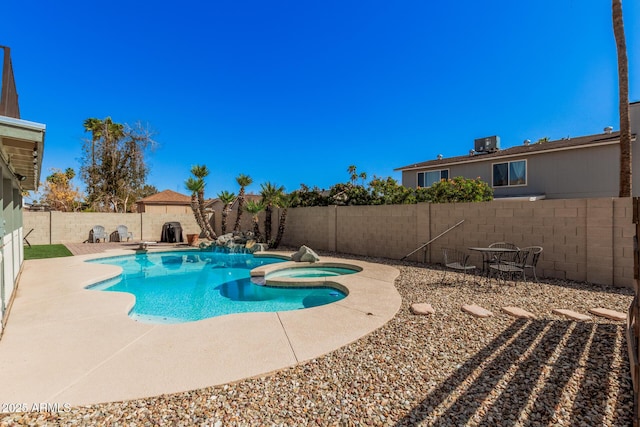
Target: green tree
113	165
459	189
254	208
625	189
306	197
285	201
227	199
200	172
243	181
194	185
270	194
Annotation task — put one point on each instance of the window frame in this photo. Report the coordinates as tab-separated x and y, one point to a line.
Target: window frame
430	171
508	163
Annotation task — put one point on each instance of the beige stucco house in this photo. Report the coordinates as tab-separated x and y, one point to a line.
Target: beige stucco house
576	167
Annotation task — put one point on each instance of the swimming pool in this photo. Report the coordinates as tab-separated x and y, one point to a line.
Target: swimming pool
186	286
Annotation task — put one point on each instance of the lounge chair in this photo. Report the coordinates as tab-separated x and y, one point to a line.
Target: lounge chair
124	233
97	233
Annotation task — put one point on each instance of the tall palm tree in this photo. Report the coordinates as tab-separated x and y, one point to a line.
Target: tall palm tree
227	199
353	175
201	172
194	185
623	99
243	181
254	208
93	125
270	194
284	202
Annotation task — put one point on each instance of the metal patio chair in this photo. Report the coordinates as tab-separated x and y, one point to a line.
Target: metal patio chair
455	259
509	269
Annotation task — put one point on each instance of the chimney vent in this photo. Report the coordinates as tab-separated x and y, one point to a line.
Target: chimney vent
527	141
608	130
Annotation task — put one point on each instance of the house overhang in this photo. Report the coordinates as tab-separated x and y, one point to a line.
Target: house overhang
21	149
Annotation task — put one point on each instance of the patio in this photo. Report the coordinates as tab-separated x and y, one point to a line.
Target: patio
446	369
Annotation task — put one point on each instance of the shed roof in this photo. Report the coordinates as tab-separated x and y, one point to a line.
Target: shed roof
166	197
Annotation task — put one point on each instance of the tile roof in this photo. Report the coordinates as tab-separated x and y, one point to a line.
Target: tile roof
166	197
569	143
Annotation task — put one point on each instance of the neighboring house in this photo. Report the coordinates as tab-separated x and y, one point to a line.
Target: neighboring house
21	148
582	167
166	201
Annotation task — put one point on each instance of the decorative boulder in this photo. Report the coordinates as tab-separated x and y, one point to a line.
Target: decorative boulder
305	254
258	247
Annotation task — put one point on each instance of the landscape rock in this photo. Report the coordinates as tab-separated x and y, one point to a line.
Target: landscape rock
305	254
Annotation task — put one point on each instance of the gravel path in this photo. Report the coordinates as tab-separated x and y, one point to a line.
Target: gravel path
448	369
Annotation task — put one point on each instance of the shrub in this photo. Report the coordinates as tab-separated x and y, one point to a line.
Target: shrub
459	189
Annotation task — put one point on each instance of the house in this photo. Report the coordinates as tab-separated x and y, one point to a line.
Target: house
582	167
166	201
21	148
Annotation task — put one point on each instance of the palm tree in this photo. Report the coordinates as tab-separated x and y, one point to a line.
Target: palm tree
93	125
270	194
227	199
243	181
623	99
254	208
201	172
284	202
194	185
353	175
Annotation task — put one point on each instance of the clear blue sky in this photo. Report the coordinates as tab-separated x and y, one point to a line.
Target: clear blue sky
294	92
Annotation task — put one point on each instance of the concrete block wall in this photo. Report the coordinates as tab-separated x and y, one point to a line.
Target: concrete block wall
583	239
74	227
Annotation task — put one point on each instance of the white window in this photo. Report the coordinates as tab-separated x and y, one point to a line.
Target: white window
427	179
510	174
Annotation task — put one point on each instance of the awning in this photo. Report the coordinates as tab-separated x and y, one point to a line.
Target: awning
21	148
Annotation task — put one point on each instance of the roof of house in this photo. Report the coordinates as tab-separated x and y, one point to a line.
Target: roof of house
520	150
166	197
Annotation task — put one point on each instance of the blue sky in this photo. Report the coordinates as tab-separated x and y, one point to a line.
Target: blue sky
294	92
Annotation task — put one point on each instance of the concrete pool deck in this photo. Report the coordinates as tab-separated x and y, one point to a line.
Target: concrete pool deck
64	344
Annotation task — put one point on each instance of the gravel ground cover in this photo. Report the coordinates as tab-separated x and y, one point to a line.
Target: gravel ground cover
447	369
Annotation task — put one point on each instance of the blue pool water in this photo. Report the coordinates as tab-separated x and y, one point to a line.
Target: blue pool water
310	272
185	286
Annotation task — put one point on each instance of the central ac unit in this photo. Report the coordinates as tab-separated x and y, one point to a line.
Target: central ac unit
488	144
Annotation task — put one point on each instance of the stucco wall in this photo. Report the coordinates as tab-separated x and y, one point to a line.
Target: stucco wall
583	239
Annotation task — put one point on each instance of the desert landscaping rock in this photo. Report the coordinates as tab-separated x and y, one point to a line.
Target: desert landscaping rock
422	308
518	312
444	370
573	315
476	310
609	314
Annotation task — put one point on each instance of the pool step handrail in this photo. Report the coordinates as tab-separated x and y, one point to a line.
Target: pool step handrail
432	240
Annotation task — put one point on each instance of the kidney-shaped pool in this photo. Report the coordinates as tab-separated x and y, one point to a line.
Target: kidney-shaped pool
185	286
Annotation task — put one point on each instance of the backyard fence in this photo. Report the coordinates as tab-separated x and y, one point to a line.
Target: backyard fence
583	239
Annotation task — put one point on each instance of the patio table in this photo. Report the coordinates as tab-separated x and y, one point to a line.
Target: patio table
488	255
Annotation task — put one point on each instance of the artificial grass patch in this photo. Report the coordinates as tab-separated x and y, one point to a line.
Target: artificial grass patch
46	251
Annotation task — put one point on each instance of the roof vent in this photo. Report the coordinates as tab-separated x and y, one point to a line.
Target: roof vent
439	156
527	142
608	129
472	153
